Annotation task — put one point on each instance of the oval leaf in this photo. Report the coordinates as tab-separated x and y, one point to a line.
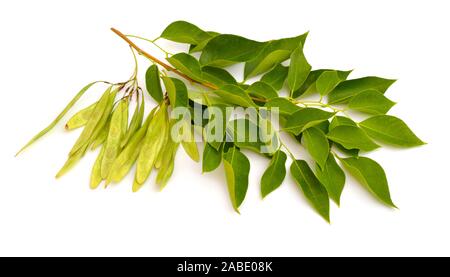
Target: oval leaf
184	32
390	129
311	187
276	77
233	94
211	158
187	64
298	69
332	177
274	175
347	89
224	50
275	52
352	138
371	102
153	83
317	145
237	168
305	118
371	174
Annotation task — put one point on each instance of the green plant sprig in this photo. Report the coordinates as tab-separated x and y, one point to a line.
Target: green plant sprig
324	127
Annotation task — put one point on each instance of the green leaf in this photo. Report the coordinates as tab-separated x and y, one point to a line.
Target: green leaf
352	138
217	76
329	79
317	145
246	134
262	90
153	83
224	50
187	64
214	130
184	32
332	177
371	102
391	130
176	91
305	118
237	168
310	84
199	47
311	187
285	106
371	174
342	120
275	52
274	175
189	145
298	70
276	77
211	158
347	89
233	94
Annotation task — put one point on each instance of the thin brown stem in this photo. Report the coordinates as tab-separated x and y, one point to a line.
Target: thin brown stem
168	67
161	63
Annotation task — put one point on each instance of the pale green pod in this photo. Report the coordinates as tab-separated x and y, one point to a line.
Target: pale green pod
71	161
152	144
189	144
112	146
102	135
167	163
123	163
161	153
58	118
136	186
125	117
96	177
94	120
80	118
135	123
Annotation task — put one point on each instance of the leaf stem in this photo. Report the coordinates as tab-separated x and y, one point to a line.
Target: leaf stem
152	42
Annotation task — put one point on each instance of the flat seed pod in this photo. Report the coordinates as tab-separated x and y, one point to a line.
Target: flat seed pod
152	144
96	176
125	160
113	140
80	118
135	123
95	118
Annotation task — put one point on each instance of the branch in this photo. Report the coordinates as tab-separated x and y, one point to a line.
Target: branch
161	63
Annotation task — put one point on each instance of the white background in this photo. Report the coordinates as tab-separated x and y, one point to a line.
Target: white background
50	49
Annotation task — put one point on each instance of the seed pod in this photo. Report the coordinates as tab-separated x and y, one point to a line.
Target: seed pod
80	118
189	144
71	161
167	162
97	114
124	118
103	126
96	177
123	163
152	144
161	153
135	124
58	118
113	141
100	138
